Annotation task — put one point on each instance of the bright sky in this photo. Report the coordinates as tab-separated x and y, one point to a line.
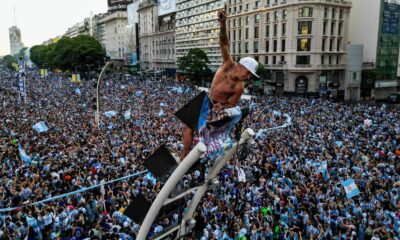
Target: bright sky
40	20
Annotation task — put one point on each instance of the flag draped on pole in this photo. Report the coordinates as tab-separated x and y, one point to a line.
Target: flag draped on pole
351	188
40	127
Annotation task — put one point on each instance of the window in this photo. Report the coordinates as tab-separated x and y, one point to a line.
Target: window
266	60
256	32
282	59
275	30
341	14
283	45
267	31
267	17
322	59
240	22
247	6
240	34
326	12
274	60
255	46
331	45
247	20
337	59
304	27
234	35
303	44
275	45
323	44
332	28
324	28
234	22
233	48
333	13
267	46
339	42
305	12
257	4
276	15
239	48
330	59
246	47
257	18
247	33
283	29
340	29
284	14
354	76
303	59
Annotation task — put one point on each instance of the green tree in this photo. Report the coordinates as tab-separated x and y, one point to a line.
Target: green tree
9	60
68	53
21	53
195	65
263	73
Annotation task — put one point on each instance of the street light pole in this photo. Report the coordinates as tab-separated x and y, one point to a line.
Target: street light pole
97	116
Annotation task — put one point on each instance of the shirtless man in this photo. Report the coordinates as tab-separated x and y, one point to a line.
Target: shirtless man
228	84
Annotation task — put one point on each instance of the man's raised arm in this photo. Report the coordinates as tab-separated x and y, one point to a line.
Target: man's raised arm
223	38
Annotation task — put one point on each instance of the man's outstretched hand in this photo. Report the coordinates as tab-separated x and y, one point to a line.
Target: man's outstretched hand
222	15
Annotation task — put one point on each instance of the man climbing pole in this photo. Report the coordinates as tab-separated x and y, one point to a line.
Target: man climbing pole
228	84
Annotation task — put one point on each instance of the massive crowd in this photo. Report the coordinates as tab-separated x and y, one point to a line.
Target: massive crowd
285	194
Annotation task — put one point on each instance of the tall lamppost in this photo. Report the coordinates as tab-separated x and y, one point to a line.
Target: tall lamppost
102	74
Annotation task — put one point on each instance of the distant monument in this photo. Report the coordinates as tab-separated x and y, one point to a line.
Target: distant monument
15	38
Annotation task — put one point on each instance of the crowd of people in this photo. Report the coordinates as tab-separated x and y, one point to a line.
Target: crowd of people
283	194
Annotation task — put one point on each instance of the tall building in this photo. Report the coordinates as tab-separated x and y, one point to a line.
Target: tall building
302	43
79	28
15	40
110	31
157	35
379	32
197	27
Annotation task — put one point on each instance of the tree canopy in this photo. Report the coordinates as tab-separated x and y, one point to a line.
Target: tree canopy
68	53
195	65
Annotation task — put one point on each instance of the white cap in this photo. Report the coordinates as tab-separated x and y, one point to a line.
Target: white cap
250	64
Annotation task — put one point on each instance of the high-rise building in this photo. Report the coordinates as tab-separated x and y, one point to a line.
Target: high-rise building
376	25
79	28
197	27
301	43
15	40
157	36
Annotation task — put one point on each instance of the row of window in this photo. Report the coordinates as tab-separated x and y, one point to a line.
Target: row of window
302	59
304	28
303	45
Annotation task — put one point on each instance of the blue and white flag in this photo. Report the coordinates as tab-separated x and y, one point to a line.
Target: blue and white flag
138	93
163	104
161	113
127	114
324	170
40	127
110	114
78	91
351	188
312	102
180	90
187	90
277	113
23	155
151	178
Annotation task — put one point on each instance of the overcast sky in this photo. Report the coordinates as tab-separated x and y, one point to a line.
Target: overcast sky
40	20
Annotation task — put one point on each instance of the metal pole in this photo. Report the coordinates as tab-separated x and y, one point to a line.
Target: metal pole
182	169
97	116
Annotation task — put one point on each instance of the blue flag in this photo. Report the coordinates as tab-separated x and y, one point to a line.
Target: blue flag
40	127
324	170
127	114
78	91
23	155
351	188
110	114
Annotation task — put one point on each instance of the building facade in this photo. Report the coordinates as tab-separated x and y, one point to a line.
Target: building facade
197	27
15	40
110	32
379	32
80	28
302	43
156	38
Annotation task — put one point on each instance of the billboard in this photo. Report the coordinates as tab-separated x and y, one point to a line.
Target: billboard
166	7
114	5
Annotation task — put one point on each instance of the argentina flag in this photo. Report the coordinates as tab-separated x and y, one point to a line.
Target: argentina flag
24	156
351	188
40	127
